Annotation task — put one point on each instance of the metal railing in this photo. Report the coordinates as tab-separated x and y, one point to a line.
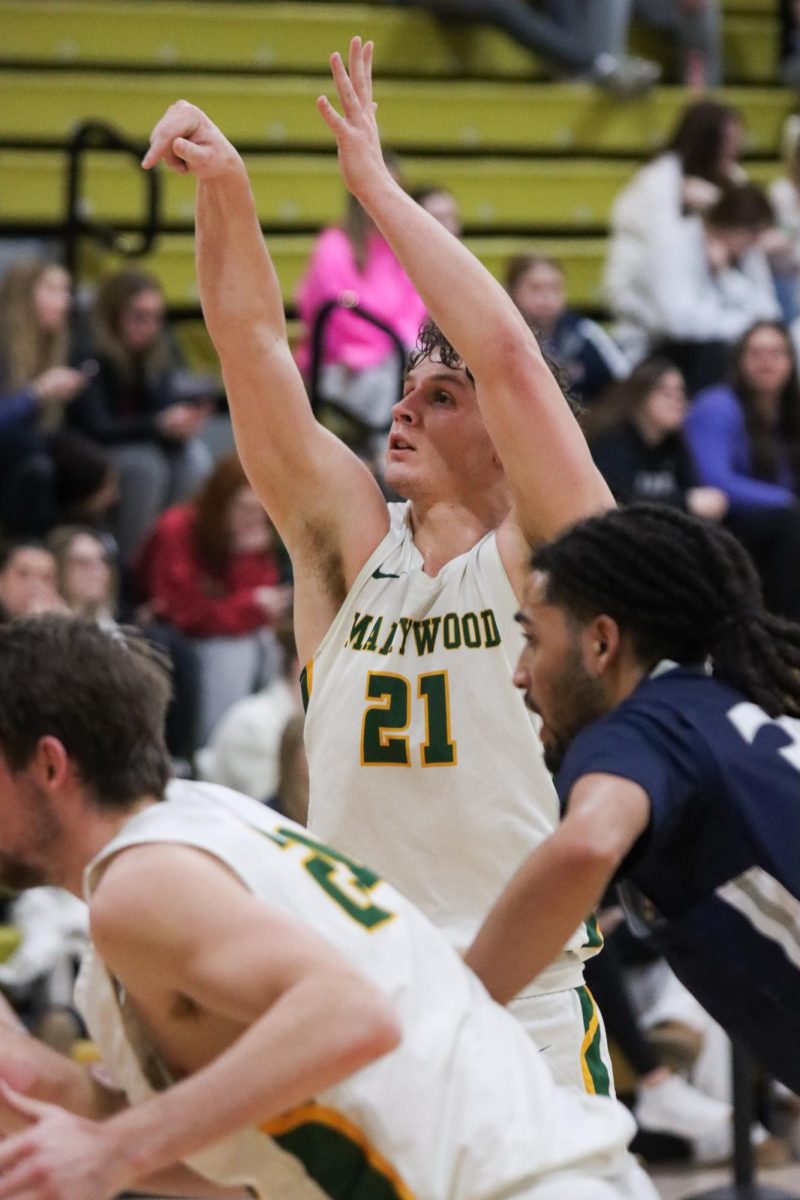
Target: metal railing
98	135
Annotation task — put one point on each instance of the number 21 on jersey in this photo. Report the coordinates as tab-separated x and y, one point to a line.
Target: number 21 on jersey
384	738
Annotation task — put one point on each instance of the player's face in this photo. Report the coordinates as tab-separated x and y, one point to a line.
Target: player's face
28	829
438	444
553	675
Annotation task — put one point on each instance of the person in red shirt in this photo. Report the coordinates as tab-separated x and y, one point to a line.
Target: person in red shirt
212	569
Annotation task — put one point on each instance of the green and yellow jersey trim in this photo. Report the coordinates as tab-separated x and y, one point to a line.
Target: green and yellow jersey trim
337	1155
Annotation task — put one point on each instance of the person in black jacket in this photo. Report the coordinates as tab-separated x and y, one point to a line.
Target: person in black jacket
636	439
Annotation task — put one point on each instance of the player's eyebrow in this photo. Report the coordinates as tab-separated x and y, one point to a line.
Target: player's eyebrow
456	375
522	618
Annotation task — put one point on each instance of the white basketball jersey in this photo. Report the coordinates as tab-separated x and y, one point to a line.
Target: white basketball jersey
463	1109
423	758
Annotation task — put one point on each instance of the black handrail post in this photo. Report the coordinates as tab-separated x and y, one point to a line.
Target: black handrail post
98	135
348	301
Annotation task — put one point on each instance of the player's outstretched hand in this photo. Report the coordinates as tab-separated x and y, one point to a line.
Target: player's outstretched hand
187	141
58	1156
356	130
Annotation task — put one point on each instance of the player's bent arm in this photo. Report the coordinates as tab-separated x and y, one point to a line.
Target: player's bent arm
300	1006
307	480
543	451
561	882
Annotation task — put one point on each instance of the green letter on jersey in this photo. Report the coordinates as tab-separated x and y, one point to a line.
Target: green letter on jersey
347	882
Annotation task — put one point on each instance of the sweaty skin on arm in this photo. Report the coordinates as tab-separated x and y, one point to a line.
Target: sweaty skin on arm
545	457
559	884
177	928
309	482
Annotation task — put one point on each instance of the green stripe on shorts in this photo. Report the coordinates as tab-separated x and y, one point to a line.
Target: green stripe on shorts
592	1052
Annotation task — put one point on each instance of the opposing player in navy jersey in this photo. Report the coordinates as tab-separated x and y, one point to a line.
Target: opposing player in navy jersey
670	708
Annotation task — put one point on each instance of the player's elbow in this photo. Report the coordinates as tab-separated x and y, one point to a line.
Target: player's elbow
593	853
372	1026
380	1030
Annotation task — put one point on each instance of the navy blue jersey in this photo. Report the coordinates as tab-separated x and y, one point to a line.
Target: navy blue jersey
720	858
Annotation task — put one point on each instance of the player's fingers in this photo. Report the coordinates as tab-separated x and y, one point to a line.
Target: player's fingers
195	157
12	1151
335	123
22	1183
356	68
344	87
26	1106
181	119
369	52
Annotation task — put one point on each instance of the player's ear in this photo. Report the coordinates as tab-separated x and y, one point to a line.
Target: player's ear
50	761
602	643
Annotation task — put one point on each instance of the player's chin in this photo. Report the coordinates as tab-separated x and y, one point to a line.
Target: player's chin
398	476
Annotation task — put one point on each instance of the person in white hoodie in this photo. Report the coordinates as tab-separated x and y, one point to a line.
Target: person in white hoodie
698	284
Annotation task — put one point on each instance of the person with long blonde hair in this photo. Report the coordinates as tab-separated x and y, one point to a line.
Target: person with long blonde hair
46	471
138	407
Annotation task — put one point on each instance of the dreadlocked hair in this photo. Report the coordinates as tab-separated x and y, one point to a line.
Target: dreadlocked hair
682	589
431	343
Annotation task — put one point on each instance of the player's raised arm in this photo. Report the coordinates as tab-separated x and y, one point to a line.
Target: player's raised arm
559	885
308	481
549	468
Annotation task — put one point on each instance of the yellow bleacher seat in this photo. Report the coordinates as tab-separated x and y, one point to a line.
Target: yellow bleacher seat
10	938
172	259
277	112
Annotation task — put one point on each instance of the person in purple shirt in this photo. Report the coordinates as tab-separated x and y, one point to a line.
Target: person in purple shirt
745	438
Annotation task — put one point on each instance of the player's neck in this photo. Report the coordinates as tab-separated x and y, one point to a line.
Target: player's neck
91	832
444	530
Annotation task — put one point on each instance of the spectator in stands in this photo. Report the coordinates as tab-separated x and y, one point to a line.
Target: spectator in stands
575	38
361	365
784	194
745	437
684	181
588	355
700	282
636	438
243	751
442	204
212	569
136	407
87	578
28	581
46	473
695	26
88	581
789	61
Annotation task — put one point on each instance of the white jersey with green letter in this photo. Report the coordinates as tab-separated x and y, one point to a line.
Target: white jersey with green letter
463	1109
423	758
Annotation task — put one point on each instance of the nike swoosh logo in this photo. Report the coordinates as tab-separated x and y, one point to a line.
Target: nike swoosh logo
379	574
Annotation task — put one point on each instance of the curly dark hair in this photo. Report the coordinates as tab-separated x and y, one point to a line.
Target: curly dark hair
432	342
682	589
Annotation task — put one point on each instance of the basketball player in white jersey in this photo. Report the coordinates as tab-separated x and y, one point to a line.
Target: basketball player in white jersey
277	1016
421	756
